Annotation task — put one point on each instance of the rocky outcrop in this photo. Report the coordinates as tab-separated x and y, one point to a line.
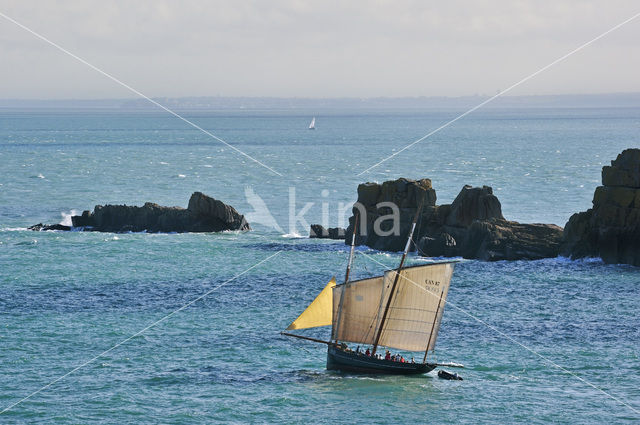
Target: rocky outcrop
320	232
204	214
472	226
378	202
611	229
474	203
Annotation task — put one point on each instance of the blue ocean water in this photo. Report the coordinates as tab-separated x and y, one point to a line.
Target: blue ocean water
67	297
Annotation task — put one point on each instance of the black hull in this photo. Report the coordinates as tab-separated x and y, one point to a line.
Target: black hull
359	363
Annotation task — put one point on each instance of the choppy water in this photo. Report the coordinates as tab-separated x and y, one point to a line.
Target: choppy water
66	297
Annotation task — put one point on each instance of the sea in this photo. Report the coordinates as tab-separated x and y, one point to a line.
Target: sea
185	328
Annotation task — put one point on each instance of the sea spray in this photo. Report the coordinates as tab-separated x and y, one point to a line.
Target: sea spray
66	217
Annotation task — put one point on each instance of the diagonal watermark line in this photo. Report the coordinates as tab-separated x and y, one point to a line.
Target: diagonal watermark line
11	406
480	105
128	87
513	340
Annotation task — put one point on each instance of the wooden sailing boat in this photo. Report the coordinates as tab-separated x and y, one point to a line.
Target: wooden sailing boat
312	126
401	309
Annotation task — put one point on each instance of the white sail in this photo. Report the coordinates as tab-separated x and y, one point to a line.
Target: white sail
312	126
414	315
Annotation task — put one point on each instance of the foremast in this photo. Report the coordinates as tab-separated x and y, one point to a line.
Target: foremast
346	278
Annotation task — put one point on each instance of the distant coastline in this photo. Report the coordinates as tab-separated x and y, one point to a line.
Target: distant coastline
205	103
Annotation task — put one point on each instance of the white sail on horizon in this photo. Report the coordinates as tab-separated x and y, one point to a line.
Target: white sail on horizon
312	126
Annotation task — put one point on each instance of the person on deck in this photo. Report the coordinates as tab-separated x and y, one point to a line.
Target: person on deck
387	355
367	353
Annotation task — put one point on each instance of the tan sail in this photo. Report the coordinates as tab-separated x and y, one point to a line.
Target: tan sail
356	321
413	308
410	321
319	312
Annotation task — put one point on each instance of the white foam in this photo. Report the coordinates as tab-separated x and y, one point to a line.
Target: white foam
294	235
66	217
568	260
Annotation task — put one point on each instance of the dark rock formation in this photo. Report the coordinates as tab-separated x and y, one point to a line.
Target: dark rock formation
471	227
320	232
84	220
377	202
611	229
46	227
211	213
474	203
499	239
204	214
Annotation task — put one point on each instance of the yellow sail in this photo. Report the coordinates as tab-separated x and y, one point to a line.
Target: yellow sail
319	312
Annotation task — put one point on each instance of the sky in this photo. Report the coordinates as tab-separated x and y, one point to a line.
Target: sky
296	48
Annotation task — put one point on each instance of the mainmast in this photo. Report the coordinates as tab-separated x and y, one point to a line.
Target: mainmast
435	320
395	281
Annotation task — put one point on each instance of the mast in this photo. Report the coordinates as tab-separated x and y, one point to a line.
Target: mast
346	276
435	320
395	281
353	245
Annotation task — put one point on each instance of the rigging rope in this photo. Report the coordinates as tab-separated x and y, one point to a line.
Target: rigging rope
418	250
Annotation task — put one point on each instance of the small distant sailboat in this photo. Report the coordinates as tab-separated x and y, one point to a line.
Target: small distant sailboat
312	126
401	309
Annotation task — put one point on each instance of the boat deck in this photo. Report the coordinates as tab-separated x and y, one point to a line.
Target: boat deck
349	361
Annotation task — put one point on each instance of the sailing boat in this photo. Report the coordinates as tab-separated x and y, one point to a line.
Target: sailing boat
312	126
400	309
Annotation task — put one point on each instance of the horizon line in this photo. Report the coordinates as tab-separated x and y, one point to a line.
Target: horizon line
360	98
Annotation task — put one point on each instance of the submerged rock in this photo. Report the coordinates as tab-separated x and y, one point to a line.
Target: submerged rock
320	232
47	227
443	245
204	214
472	226
611	229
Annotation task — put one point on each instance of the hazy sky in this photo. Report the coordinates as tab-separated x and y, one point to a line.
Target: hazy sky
316	48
